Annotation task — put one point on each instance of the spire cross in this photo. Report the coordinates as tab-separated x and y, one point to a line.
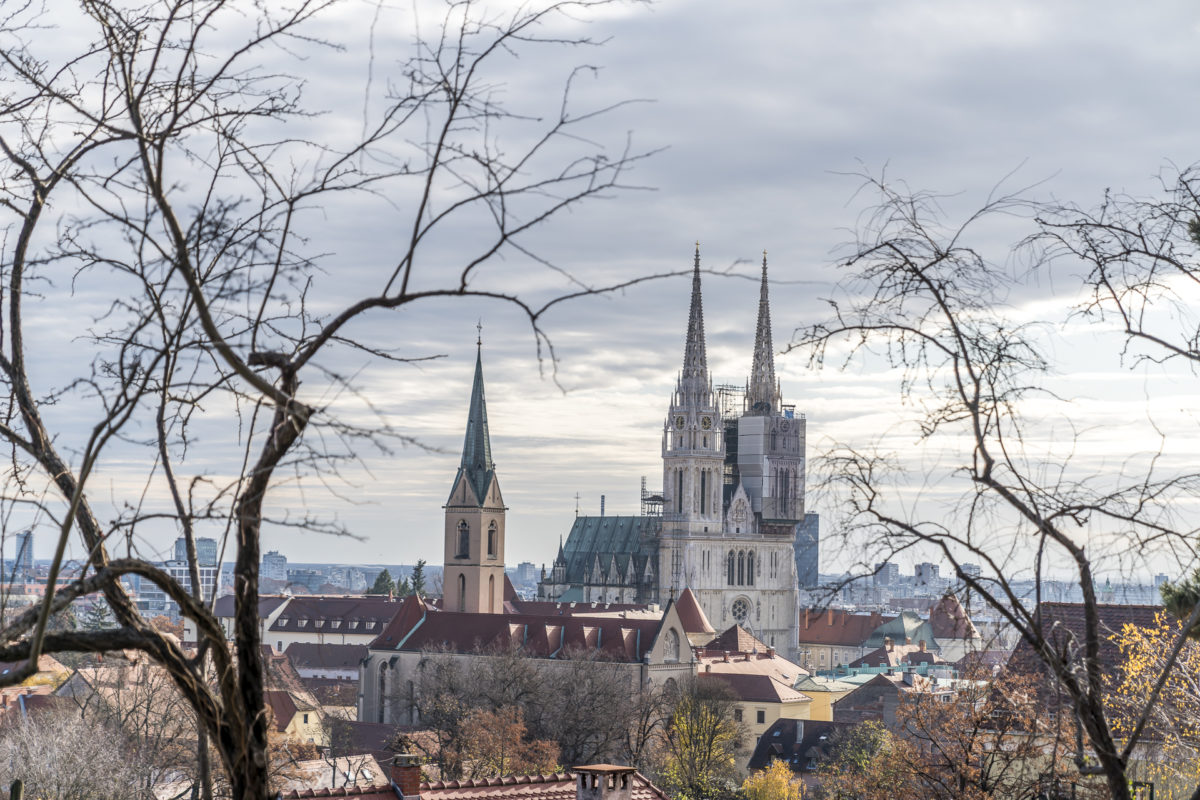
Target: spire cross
479	333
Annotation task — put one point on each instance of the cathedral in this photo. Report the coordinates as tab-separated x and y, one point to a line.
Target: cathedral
729	524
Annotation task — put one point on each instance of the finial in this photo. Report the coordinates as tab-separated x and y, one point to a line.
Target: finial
479	333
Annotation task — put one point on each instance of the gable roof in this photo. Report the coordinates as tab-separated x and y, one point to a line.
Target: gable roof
949	620
224	606
1064	626
365	615
896	655
906	628
691	615
796	741
737	640
837	627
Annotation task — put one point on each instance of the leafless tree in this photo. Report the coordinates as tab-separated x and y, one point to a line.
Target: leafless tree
1007	490
60	756
166	287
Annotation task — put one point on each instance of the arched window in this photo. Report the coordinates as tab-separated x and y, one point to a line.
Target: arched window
731	568
462	592
750	568
492	540
464	540
492	594
741	568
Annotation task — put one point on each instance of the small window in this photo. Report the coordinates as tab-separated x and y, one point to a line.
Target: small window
762	716
353	624
737	715
306	719
278	646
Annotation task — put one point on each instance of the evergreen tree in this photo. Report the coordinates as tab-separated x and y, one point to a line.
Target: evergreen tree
403	588
98	617
418	578
383	584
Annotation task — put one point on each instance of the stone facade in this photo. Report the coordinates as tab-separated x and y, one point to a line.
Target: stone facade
732	502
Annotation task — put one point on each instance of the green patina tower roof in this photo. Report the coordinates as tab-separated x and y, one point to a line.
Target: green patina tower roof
476	461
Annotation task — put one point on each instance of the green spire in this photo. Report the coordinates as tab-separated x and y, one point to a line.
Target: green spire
476	461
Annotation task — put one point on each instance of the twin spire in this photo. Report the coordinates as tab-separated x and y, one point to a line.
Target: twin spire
762	391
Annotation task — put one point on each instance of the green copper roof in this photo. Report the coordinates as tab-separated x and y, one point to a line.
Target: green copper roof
477	446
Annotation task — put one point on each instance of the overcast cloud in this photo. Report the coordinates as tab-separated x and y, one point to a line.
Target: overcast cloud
766	111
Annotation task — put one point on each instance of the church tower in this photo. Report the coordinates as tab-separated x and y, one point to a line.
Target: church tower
693	447
770	451
474	555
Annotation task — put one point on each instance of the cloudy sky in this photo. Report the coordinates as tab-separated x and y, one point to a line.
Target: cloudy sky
766	115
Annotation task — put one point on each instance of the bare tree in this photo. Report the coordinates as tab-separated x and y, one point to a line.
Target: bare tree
162	214
60	756
1011	494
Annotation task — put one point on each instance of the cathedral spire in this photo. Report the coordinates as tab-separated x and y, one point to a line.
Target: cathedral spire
476	461
762	395
694	381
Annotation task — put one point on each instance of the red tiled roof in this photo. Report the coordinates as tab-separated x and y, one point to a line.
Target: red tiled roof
561	786
365	615
266	604
833	626
737	640
691	615
281	706
543	635
1063	625
949	620
757	688
385	792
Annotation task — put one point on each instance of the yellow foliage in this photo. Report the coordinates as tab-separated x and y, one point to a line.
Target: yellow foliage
776	782
1169	748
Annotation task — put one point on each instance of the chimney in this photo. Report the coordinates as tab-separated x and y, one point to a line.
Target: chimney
770	652
604	782
922	645
726	659
806	619
908	640
406	774
831	616
888	644
602	505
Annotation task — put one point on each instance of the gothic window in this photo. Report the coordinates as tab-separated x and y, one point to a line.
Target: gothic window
741	568
492	540
730	568
774	440
750	568
671	646
492	593
703	491
678	492
464	540
462	592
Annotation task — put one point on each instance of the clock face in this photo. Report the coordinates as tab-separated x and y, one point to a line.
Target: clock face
679	422
706	423
783	426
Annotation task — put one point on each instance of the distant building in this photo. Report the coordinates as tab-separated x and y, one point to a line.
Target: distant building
206	551
808	551
971	570
310	579
527	572
887	574
180	571
23	547
928	573
1159	580
274	565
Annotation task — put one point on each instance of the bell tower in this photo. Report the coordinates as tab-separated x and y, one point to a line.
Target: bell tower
770	447
473	579
693	442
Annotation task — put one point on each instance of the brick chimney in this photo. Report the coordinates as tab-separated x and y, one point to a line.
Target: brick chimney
406	774
888	644
922	645
831	617
770	652
604	782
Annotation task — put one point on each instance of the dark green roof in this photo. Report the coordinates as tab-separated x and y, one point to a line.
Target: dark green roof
611	538
477	445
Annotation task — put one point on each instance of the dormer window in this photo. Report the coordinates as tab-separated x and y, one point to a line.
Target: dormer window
370	624
302	623
337	623
353	624
283	621
320	623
